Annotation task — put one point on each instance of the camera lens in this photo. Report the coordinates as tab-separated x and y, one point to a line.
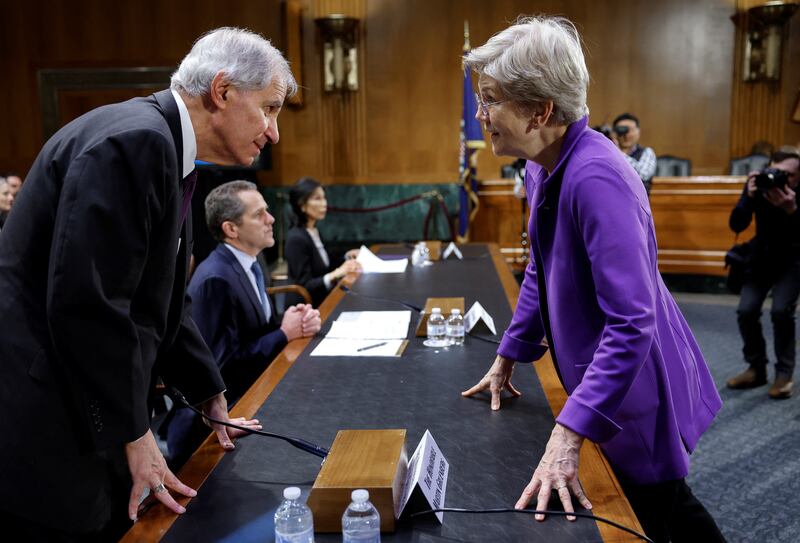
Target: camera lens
621	130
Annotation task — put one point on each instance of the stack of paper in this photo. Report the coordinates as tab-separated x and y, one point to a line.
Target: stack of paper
372	264
366	333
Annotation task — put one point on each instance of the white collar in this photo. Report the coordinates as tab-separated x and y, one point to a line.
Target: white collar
187	132
244	259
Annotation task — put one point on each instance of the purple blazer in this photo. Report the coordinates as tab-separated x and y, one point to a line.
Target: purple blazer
637	382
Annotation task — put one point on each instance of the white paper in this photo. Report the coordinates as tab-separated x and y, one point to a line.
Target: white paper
357	347
427	469
476	314
371	325
370	263
452	249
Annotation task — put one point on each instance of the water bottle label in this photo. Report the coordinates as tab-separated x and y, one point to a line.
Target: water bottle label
455	330
436	330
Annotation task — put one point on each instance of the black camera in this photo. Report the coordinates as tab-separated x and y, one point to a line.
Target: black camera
621	130
771	178
607	131
603	129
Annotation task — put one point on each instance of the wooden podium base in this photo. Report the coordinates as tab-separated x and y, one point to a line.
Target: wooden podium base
372	459
445	304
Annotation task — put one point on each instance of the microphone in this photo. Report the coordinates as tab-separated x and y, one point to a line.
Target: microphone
302	444
413	307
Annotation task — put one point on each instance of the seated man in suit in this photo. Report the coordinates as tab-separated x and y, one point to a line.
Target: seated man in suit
231	307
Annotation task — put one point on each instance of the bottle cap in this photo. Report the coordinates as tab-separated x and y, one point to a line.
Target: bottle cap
455	311
436	310
291	493
360	495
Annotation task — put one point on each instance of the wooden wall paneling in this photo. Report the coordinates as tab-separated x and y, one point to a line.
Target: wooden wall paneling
342	118
665	61
293	45
642	56
761	110
791	82
414	109
57	34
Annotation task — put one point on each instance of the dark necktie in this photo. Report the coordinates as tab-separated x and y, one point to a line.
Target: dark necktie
262	291
189	183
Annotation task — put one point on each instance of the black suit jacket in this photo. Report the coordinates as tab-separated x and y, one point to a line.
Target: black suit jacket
93	268
306	266
230	318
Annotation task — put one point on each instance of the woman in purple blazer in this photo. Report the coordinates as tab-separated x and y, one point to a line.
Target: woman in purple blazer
636	380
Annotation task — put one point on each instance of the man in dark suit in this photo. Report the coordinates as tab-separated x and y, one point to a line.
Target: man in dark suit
230	306
93	267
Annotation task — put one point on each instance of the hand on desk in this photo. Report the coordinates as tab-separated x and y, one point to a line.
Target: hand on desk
496	379
149	470
217	408
300	320
558	469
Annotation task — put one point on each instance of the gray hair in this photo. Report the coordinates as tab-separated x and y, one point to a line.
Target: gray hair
248	60
535	60
223	204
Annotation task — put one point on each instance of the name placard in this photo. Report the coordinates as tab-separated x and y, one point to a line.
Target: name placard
477	316
426	479
452	249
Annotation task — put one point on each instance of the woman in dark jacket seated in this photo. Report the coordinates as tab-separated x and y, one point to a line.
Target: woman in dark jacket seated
309	262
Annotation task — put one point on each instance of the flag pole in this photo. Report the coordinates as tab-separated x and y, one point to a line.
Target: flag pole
471	142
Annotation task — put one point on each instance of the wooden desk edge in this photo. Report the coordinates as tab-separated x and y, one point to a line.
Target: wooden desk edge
594	468
155	522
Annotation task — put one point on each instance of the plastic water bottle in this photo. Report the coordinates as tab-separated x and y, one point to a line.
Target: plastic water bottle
293	520
455	328
361	522
436	325
421	255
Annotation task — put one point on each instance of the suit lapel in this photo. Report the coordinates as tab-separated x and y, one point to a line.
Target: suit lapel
167	104
244	282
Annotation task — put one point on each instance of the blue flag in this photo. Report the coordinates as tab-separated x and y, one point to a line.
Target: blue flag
471	142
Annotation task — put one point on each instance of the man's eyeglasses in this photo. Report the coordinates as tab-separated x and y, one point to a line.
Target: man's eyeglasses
484	106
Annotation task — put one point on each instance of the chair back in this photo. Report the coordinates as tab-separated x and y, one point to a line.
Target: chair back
672	166
746	164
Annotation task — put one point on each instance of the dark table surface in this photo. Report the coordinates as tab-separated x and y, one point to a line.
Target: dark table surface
491	454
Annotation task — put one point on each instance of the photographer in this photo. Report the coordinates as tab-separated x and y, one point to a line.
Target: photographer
770	195
625	134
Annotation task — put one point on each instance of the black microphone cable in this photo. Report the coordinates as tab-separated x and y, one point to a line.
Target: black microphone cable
302	444
413	307
534	512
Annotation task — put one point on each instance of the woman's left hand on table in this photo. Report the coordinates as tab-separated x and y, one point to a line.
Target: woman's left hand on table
557	470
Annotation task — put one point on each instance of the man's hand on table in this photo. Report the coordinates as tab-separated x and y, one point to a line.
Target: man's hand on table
217	408
149	471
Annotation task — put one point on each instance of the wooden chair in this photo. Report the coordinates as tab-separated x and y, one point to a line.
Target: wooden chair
295	289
